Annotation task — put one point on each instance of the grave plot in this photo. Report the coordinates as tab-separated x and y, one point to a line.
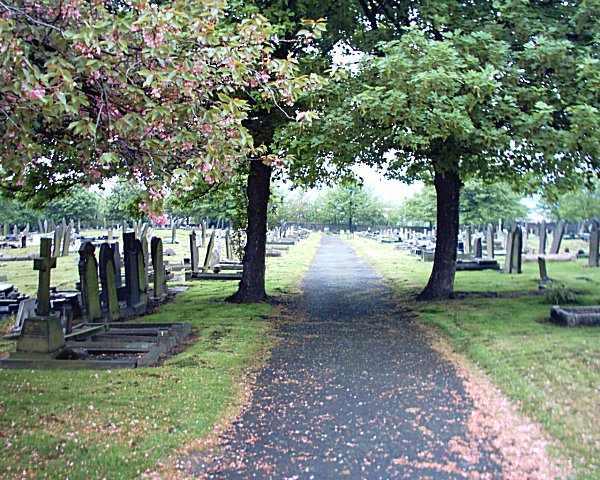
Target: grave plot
214	265
576	316
43	343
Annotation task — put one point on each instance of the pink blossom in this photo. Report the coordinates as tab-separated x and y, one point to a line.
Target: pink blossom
159	220
34	93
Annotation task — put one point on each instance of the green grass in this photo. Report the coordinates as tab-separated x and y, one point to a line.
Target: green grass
551	372
118	424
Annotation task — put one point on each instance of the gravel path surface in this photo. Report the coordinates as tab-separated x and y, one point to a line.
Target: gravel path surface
352	390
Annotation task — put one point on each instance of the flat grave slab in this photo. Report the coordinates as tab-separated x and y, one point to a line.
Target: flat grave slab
212	276
477	264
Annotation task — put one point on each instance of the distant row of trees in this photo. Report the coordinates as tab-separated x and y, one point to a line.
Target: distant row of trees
479	204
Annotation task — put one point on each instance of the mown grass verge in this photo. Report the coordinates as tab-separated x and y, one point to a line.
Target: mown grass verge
119	424
551	372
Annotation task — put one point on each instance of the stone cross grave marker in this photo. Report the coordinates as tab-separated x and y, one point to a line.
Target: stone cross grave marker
88	277
557	235
489	240
158	264
594	260
42	333
108	275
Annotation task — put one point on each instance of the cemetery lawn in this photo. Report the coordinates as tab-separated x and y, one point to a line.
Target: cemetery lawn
552	373
120	424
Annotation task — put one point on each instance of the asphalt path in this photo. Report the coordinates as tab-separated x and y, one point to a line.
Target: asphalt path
354	390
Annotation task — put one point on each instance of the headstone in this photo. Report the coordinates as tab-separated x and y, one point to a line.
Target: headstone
174	232
544	279
26	309
110	236
5	232
108	276
78	225
143	271
517	250
136	296
158	265
193	252
146	256
557	236
594	256
41	226
66	240
118	265
228	250
15	231
209	250
204	227
525	240
478	248
509	253
42	333
27	229
58	236
505	239
543	236
489	239
88	277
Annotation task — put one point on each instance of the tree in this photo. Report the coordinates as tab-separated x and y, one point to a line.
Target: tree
579	205
479	204
78	203
93	89
467	90
352	205
123	202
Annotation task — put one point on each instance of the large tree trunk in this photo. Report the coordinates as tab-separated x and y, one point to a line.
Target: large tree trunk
441	282
252	285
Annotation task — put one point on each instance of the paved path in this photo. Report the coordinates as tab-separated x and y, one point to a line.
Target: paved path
351	391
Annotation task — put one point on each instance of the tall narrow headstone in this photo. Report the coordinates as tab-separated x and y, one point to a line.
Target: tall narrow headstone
468	240
543	236
209	250
108	275
517	250
228	251
594	260
489	240
544	279
509	252
66	241
525	239
88	278
118	265
146	256
110	236
58	236
142	272
193	252
203	234
41	226
557	235
133	261
478	248
158	266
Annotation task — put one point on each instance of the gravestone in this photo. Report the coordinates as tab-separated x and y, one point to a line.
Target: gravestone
525	240
174	232
142	272
490	240
203	234
41	226
594	260
146	256
88	277
66	240
557	235
15	231
5	230
228	251
27	229
110	236
543	235
158	264
209	250
108	277
26	309
509	252
42	333
517	250
58	235
193	252
544	279
576	316
478	248
118	265
135	287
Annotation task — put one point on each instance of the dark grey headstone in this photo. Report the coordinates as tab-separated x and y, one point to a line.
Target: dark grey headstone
132	251
543	235
509	252
108	276
193	252
544	279
517	250
478	248
88	278
158	265
557	235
